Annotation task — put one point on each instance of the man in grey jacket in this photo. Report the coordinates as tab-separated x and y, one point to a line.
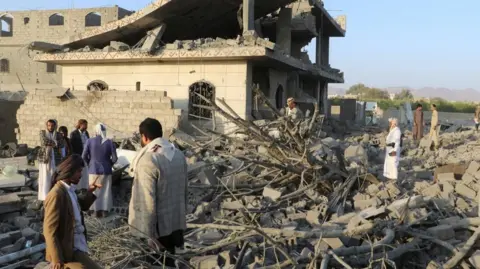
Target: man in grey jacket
159	193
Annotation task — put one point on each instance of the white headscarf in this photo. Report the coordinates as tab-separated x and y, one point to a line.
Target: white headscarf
101	130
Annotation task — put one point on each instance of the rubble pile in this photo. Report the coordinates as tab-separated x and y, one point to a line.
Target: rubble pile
284	194
21	241
287	194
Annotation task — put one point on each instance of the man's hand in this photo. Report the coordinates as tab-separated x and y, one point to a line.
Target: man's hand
56	266
94	187
393	153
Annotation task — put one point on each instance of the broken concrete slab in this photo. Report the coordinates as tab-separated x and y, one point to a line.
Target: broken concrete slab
272	194
10	203
442	232
465	191
153	38
473	167
119	46
45	46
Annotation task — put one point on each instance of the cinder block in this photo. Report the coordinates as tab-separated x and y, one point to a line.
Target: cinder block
442	177
468	178
465	191
473	167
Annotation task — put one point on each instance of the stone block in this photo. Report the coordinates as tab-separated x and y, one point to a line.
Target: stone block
448	188
29	233
419	186
5	240
442	232
446	177
364	204
473	167
432	191
468	178
475	259
10	203
334	243
449	221
372	189
204	262
360	196
465	191
22	222
313	217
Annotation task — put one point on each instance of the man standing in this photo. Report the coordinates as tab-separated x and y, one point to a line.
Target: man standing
159	193
418	123
293	111
78	139
434	126
63	225
49	156
392	150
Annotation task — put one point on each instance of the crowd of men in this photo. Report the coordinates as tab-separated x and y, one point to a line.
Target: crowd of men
76	176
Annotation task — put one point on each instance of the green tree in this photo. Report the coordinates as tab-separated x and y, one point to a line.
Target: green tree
357	89
405	94
365	92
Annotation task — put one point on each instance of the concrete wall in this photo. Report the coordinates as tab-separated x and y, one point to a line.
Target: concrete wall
122	112
28	26
8	120
232	80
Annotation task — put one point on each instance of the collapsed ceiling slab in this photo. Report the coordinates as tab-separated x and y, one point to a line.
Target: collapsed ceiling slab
185	20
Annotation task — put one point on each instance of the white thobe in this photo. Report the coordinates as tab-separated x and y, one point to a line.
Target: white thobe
45	172
390	167
79	240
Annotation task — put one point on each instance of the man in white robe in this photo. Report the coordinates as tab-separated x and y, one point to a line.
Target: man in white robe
293	111
392	150
49	156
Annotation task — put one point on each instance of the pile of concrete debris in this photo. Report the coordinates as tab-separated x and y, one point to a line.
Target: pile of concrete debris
287	194
21	242
284	194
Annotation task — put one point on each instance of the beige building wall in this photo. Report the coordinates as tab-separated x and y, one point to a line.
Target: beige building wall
28	26
232	80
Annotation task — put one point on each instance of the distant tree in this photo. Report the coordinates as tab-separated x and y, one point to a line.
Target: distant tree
365	92
405	94
357	89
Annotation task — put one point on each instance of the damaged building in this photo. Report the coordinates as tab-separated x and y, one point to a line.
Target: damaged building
217	49
18	70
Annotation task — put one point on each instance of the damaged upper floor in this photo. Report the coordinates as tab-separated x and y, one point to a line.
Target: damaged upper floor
233	29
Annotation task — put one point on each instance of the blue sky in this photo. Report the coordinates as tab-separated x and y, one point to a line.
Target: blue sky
415	43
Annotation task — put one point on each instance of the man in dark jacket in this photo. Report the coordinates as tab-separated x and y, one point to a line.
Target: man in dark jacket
78	139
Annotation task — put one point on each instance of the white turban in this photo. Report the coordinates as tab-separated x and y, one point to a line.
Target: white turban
101	130
393	120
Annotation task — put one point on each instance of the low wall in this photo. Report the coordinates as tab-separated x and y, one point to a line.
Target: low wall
122	112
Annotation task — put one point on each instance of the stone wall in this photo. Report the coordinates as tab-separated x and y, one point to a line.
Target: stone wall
122	112
33	25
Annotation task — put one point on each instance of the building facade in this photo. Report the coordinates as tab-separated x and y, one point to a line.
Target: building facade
18	70
220	49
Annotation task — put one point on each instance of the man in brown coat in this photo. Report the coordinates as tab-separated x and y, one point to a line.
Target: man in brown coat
63	226
418	123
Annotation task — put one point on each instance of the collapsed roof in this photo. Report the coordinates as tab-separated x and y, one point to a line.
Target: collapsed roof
185	20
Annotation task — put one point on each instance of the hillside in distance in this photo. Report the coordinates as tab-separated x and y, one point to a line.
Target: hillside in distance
468	95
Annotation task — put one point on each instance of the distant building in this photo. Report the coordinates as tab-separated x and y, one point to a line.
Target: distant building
18	70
